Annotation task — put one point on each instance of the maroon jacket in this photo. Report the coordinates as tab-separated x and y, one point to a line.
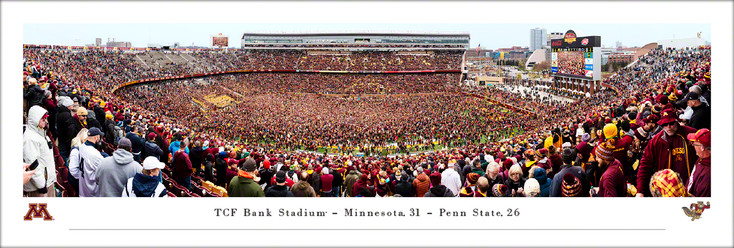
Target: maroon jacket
663	152
699	184
326	182
181	165
612	183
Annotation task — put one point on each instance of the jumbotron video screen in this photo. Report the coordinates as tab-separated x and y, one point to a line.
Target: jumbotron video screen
220	41
573	61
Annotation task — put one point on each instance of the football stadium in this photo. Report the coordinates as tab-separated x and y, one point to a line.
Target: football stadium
362	115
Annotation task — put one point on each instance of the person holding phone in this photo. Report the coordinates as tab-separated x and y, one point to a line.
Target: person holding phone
37	151
28	173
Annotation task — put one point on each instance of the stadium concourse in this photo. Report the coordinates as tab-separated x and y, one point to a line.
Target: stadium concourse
357	124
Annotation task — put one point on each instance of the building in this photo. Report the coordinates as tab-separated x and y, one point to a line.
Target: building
553	35
621	58
98	41
538	39
114	43
357	41
537	57
473	53
618	44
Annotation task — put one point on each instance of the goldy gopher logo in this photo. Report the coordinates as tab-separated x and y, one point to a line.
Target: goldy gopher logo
37	210
696	210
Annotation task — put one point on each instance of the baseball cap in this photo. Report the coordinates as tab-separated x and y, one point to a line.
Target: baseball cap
692	96
702	136
152	162
95	131
124	142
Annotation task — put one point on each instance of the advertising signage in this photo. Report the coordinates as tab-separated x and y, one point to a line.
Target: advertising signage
570	40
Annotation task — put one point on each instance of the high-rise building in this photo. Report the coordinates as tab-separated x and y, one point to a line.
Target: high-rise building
538	38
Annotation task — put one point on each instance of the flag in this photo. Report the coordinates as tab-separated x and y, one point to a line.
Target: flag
478	46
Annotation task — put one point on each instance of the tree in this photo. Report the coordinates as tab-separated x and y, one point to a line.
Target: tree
545	65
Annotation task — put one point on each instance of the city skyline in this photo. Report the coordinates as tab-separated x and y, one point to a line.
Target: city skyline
199	34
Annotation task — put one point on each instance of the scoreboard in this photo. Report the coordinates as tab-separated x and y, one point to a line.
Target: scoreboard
578	57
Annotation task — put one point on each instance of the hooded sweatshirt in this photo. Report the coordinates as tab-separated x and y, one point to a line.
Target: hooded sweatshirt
114	172
361	183
439	191
144	186
544	181
35	147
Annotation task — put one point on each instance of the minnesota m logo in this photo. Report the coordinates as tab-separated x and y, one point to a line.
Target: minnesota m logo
37	211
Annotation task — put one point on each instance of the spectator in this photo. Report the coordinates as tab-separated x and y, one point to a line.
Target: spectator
302	188
37	147
532	187
575	170
137	142
482	187
667	183
196	156
326	182
209	167
27	174
150	148
699	184
75	159
77	122
90	160
668	149
612	183
571	186
266	173
146	183
493	173
404	187
451	179
701	117
33	94
545	183
501	190
114	171
182	167
245	183
421	184
516	181
470	188
279	189
438	189
63	117
361	186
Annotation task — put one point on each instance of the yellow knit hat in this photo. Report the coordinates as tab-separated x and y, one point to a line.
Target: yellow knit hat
610	131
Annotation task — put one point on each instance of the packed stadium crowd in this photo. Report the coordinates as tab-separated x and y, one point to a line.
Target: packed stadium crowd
571	62
653	139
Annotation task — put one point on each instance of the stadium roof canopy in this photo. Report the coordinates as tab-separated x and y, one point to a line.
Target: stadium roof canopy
354	34
358	41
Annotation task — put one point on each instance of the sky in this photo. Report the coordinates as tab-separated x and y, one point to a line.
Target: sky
489	35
